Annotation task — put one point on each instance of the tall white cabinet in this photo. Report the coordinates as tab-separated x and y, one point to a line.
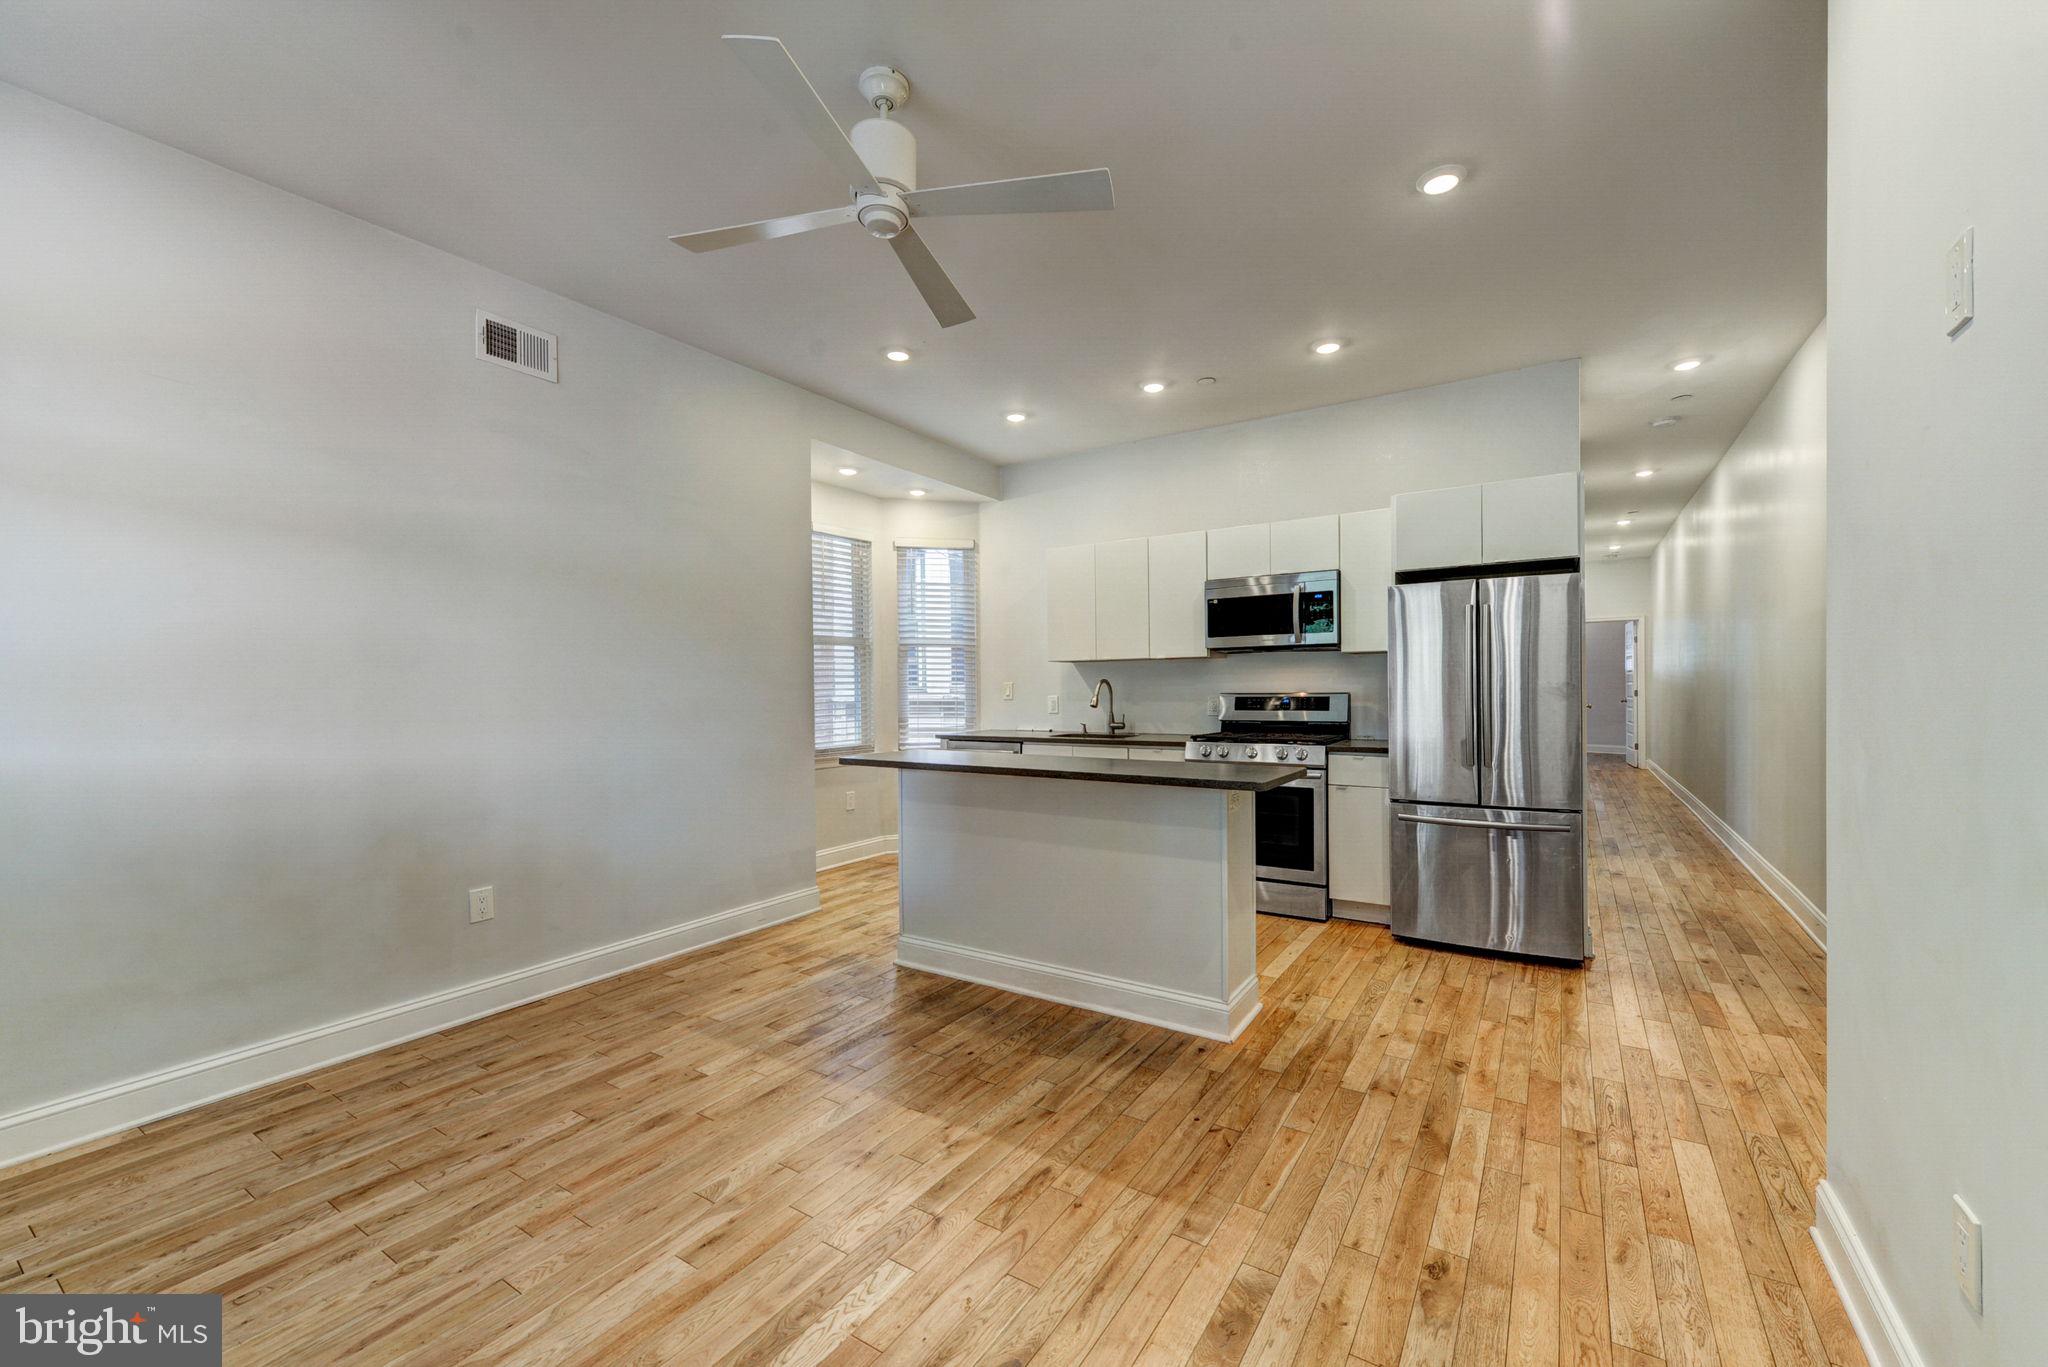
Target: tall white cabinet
1366	557
1070	603
1123	600
1177	567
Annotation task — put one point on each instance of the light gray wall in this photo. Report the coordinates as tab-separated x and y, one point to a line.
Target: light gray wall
1937	755
1740	649
881	522
1606	720
1337	459
310	621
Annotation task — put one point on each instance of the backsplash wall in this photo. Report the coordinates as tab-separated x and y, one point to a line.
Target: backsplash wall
1180	695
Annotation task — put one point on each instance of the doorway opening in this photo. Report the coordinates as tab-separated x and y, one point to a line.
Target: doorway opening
1614	688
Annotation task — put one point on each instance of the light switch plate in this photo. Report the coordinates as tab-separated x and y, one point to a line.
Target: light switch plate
1962	281
1969	1256
1009	692
1052	704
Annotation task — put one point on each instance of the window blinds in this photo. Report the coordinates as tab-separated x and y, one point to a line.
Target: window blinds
937	625
842	646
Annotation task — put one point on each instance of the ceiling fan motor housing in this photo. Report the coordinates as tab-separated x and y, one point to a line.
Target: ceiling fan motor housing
889	151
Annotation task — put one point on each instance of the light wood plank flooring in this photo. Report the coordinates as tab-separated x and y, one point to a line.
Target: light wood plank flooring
783	1149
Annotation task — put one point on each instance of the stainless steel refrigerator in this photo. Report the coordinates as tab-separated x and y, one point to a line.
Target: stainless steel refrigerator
1485	719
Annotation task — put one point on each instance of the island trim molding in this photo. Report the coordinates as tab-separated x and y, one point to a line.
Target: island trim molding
1121	997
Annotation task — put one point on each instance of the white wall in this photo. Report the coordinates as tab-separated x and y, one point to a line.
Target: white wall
1937	755
310	621
1739	655
1606	672
1336	459
870	828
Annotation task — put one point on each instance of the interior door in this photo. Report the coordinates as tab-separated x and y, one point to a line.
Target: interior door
1629	693
1532	668
1431	710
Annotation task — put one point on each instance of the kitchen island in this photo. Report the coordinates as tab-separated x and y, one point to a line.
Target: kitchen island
1122	886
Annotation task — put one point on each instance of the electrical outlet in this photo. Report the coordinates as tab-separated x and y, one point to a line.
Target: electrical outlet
1052	704
1009	692
483	904
1962	281
1213	708
849	799
1969	1256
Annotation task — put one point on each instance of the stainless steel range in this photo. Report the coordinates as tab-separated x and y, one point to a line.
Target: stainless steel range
1293	821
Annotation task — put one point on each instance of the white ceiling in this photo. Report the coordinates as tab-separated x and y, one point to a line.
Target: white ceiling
1648	184
878	479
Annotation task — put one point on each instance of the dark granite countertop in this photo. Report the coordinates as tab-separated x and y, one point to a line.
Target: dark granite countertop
1242	778
1163	739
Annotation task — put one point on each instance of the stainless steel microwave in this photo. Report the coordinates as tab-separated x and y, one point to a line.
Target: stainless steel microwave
1273	612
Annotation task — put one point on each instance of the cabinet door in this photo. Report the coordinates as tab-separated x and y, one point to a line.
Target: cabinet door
1366	557
1359	849
1533	519
1240	552
1070	603
1158	754
1179	565
1306	543
1123	628
1438	527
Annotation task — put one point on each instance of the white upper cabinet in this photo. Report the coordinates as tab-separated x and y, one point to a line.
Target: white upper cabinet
1179	565
1123	610
1533	519
1366	556
1240	552
1070	603
1306	543
1438	527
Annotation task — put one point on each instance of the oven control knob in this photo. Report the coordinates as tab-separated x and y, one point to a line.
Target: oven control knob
1301	754
1251	752
1205	752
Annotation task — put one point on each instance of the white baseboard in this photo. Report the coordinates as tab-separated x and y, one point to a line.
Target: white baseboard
1182	1011
89	1115
855	852
1809	917
1606	749
1872	1313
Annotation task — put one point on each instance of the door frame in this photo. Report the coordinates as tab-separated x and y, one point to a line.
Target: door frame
1641	756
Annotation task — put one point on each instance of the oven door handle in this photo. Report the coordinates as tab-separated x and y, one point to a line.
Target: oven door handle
1481	825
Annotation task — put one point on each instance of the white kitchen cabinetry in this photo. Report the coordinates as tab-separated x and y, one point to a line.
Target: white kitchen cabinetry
1123	604
1070	603
1178	566
1532	519
1438	527
1303	544
1033	747
1361	851
1240	552
1366	556
1158	754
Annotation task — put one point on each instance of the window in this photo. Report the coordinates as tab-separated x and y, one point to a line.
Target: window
842	645
937	619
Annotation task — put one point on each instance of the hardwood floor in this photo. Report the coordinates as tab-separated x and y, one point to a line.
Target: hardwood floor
783	1149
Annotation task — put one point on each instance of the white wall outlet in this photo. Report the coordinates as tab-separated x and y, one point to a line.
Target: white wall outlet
1962	281
1009	691
1052	704
483	905
1213	707
1969	1256
849	799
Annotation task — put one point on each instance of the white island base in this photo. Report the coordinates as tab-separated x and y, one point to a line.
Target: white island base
1136	900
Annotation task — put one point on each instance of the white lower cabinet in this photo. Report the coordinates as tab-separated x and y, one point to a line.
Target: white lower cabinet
1158	753
1360	846
1033	747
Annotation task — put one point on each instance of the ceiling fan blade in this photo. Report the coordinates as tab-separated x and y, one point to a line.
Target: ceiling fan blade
1056	194
930	278
772	65
712	239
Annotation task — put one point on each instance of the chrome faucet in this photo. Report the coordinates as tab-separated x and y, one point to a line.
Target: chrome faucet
1095	700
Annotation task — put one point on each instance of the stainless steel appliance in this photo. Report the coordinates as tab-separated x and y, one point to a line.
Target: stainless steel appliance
1293	821
1485	710
1273	612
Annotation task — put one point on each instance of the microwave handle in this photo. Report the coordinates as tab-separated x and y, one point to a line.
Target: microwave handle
1300	636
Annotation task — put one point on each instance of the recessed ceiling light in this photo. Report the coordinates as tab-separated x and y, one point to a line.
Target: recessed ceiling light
1644	474
1614	545
1015	417
1153	386
1664	422
917	493
1690	363
897	354
1621	522
848	470
1329	348
1440	180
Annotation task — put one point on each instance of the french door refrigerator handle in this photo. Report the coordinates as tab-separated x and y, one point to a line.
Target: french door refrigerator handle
1481	825
1470	743
1482	676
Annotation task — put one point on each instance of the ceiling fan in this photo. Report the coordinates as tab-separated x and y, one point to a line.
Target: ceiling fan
879	162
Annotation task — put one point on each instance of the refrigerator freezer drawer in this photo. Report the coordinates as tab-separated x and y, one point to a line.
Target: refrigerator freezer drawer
1491	878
